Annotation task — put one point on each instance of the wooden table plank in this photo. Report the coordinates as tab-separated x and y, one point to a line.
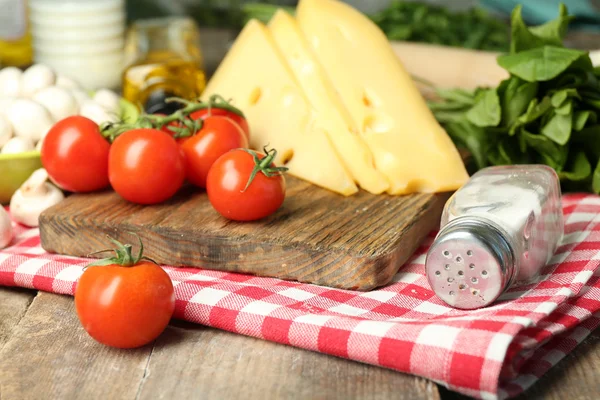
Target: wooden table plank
13	305
190	361
49	355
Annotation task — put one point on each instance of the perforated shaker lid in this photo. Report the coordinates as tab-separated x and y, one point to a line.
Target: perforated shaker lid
469	265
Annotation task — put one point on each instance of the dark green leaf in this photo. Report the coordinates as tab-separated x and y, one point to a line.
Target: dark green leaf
580	118
471	137
516	98
534	111
596	179
550	153
589	138
592	102
559	97
521	37
541	63
579	168
558	128
486	111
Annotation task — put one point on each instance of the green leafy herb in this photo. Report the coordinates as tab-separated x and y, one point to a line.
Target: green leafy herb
486	110
545	112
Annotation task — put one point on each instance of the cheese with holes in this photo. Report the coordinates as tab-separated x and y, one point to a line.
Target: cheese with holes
409	146
337	121
256	77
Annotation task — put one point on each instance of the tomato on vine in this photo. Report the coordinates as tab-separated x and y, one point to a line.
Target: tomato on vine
244	185
125	301
217	136
145	166
75	154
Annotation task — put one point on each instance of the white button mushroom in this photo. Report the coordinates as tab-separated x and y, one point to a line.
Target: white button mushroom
33	197
107	99
5	103
94	111
6	131
58	101
29	119
6	231
80	96
67	83
10	81
17	145
35	78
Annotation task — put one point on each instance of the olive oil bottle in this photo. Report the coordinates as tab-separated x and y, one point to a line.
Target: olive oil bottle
15	37
165	60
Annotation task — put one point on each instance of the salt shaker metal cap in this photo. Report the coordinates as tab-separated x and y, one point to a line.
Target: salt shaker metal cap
501	227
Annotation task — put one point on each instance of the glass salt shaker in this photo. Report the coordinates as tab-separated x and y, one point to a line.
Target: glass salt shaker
499	229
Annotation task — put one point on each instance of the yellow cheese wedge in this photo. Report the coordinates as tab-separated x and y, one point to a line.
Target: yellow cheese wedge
409	146
255	76
337	122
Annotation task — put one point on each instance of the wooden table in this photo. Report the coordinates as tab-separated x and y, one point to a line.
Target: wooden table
46	354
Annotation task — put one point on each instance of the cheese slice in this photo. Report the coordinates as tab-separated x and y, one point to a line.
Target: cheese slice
255	76
409	146
337	122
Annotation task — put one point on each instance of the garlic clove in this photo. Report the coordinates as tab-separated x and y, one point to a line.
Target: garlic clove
10	82
5	103
17	145
34	197
36	78
29	119
6	131
94	111
67	83
58	101
6	230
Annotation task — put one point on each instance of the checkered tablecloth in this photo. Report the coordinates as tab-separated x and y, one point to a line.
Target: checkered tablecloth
496	352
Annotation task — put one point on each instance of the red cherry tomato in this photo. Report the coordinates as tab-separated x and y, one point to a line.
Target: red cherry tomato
215	111
76	155
218	135
125	306
145	166
227	191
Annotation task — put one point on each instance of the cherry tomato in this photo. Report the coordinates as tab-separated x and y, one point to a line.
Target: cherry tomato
122	304
145	166
218	135
215	111
76	155
233	197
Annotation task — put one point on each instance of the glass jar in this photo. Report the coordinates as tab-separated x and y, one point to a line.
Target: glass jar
499	229
15	37
164	60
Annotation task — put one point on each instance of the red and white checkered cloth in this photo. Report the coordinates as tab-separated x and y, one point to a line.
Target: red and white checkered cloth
496	352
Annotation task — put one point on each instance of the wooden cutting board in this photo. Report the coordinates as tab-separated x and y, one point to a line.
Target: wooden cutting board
317	236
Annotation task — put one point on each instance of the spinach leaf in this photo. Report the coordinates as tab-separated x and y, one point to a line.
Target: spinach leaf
534	111
558	128
550	33
461	96
516	99
579	168
596	179
486	111
565	109
550	153
540	63
580	118
559	97
553	32
589	138
471	137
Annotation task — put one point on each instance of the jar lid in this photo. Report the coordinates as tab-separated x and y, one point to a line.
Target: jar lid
469	264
